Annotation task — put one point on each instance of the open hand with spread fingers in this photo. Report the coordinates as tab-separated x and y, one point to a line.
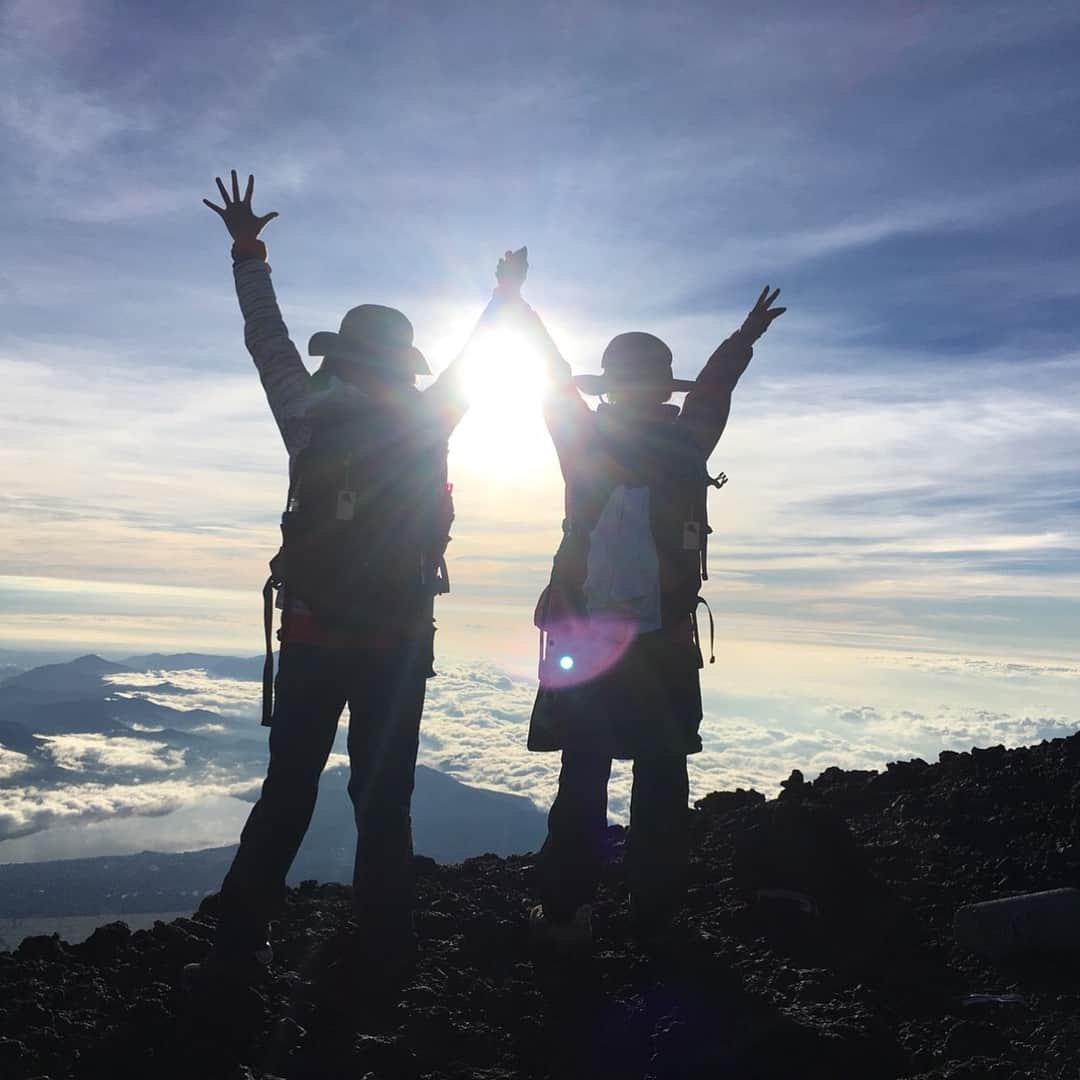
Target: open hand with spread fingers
237	214
762	314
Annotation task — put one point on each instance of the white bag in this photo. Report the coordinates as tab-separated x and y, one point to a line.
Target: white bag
622	578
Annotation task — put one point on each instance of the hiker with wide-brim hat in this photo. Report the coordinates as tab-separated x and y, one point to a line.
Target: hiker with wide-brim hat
374	338
633	359
364	533
620	648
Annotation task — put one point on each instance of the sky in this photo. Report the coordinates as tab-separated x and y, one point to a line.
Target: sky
896	554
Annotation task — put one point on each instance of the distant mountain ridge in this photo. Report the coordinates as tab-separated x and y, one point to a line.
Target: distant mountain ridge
451	822
79	675
73	697
87	672
42	707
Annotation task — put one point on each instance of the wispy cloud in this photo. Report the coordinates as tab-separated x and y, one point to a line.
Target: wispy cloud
902	450
98	753
12	763
195	689
28	809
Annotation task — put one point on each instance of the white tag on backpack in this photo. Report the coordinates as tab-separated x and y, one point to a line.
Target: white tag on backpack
691	536
346	505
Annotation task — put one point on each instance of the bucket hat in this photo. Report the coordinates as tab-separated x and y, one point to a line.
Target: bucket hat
374	336
633	357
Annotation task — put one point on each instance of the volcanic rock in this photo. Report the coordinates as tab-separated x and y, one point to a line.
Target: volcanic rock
815	942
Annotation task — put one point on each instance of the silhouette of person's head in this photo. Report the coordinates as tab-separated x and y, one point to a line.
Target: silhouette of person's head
637	373
373	349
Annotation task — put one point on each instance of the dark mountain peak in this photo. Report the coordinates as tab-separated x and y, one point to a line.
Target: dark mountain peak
82	674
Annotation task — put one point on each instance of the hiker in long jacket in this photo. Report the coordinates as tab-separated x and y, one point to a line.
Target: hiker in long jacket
620	665
364	533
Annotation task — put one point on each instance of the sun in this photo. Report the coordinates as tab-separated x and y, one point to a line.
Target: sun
503	372
503	432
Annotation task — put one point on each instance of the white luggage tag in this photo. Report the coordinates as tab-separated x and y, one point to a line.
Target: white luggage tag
346	505
691	536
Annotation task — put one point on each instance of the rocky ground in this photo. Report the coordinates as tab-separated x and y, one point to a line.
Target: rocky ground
866	984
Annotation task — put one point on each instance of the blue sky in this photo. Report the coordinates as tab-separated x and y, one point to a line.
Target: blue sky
903	451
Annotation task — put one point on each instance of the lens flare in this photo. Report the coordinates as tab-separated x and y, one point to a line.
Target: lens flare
576	649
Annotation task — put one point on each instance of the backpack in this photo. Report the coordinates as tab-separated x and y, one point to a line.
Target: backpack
367	522
573	648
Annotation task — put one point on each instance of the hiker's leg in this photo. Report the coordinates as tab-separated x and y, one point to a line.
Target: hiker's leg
309	697
385	704
568	867
656	852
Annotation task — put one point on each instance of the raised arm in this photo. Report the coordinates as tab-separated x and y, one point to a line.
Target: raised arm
705	411
565	411
447	392
282	372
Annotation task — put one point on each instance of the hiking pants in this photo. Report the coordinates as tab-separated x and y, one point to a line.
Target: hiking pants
568	868
385	694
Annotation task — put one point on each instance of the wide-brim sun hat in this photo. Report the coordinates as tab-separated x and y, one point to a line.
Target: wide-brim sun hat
633	357
372	336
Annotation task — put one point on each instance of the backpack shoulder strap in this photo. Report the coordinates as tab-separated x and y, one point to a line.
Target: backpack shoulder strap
268	663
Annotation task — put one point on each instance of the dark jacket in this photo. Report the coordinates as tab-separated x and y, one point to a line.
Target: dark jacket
647	700
299	405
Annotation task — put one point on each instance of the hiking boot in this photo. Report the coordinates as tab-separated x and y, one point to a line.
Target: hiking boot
561	935
228	968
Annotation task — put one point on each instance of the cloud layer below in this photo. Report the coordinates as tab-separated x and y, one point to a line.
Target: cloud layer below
101	787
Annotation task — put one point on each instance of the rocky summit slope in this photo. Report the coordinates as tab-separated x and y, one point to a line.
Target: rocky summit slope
856	976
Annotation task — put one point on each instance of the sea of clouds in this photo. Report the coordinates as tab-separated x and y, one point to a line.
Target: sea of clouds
193	788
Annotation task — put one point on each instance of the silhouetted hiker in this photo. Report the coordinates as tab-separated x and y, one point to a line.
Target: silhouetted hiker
364	533
621	654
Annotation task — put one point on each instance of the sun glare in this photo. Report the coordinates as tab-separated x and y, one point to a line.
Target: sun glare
503	431
502	368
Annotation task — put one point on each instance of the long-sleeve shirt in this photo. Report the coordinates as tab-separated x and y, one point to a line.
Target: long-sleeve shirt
704	413
287	384
582	439
286	380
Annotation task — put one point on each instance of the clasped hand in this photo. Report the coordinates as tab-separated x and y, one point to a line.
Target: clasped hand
512	270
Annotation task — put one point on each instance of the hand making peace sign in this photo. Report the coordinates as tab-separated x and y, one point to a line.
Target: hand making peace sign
762	314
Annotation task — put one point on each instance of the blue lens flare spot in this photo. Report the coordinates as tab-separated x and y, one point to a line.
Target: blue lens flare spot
566	662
